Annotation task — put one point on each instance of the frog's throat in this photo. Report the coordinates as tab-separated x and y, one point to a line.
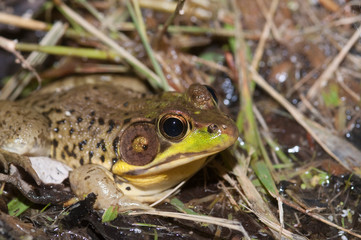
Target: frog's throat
153	184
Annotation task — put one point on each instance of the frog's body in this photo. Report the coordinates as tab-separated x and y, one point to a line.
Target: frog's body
149	142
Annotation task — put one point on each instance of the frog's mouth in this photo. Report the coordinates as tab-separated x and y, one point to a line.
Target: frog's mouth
171	162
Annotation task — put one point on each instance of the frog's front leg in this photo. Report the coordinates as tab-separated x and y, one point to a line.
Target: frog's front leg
96	179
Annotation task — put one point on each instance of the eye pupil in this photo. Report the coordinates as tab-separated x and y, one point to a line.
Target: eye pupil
173	127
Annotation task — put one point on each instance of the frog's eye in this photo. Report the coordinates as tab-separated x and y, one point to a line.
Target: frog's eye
139	144
173	126
212	92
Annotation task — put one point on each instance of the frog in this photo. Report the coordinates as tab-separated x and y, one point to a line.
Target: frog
129	147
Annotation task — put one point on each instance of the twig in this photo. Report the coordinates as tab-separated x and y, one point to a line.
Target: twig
169	6
265	33
321	26
268	15
231	224
315	112
355	96
23	22
306	78
195	59
178	9
330	5
327	74
9	46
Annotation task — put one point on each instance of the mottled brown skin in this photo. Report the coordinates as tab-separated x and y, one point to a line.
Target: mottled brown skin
23	130
85	122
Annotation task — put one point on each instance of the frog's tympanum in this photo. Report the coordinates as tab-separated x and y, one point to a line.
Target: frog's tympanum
127	147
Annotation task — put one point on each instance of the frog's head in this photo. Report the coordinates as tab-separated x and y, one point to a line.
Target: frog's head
175	139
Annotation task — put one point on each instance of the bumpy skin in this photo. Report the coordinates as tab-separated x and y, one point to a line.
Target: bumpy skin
119	129
23	130
84	123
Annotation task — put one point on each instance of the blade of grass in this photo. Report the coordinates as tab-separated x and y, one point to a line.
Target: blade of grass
70	51
246	120
181	206
110	214
91	9
75	25
153	79
139	25
18	205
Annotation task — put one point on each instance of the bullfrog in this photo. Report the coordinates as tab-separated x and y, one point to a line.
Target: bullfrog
126	146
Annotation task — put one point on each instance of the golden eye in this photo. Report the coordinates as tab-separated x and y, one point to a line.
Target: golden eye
173	126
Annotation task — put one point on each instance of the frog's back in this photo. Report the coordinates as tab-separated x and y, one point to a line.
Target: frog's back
84	121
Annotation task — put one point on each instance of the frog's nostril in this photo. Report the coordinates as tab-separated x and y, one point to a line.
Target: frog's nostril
212	128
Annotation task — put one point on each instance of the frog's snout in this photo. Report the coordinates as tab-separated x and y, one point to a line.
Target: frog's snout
229	128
